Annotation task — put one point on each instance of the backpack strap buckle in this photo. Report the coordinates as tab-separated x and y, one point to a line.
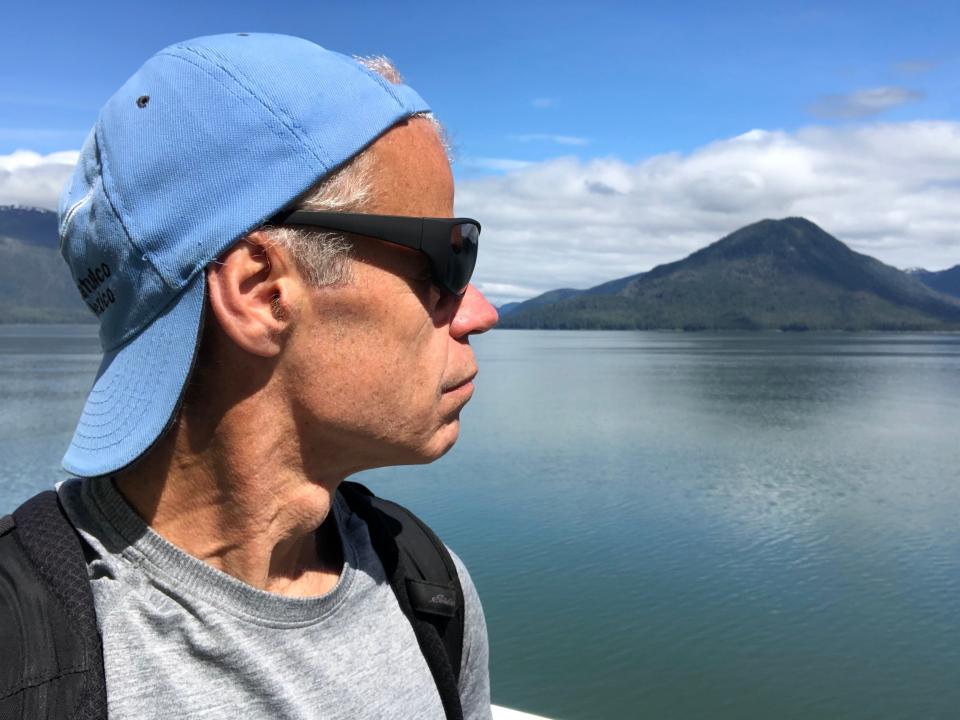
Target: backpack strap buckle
433	598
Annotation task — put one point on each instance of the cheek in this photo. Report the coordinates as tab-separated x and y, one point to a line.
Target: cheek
389	377
378	366
417	367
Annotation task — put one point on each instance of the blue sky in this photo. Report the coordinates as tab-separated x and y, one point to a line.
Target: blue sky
526	87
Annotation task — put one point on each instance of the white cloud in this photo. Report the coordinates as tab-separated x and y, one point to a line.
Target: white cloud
891	190
547	137
495	164
519	292
28	178
864	103
888	190
543	102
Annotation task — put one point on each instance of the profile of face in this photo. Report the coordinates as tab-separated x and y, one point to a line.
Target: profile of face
382	365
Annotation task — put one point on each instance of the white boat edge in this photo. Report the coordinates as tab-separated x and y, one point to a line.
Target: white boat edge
502	713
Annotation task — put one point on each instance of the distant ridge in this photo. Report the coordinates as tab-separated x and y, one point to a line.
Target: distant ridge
35	285
34	226
945	281
547	298
774	274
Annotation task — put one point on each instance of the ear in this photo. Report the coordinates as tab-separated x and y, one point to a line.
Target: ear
253	288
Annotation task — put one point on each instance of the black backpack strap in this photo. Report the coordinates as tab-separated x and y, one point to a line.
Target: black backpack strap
52	656
425	581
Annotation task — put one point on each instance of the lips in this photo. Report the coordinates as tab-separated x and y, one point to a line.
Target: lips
461	383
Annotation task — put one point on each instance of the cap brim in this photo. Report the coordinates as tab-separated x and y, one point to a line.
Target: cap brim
138	389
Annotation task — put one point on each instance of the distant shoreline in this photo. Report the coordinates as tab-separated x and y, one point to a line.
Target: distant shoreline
756	331
49	322
685	331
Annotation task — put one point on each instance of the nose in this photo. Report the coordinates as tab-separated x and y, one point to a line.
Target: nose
473	315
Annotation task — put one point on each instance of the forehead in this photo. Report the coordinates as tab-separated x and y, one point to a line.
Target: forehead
411	173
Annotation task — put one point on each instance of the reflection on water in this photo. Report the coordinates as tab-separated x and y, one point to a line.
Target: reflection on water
666	524
45	373
687	526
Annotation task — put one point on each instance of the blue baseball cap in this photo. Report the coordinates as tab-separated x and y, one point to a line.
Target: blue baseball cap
209	139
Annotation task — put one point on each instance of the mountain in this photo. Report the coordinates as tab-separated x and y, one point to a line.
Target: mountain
547	298
35	285
31	226
786	274
945	281
775	274
553	296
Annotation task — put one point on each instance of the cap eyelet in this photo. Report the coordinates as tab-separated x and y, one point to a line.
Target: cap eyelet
142	101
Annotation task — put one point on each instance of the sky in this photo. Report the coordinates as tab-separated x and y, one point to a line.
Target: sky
592	140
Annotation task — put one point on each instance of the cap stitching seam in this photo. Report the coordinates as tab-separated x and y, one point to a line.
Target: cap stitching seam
116	425
132	413
118	202
71	211
105	390
279	112
114	204
135	409
128	337
119	424
385	84
249	95
111	401
123	389
143	325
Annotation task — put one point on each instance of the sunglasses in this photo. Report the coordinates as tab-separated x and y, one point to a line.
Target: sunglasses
449	243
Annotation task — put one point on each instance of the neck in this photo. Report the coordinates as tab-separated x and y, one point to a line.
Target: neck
239	499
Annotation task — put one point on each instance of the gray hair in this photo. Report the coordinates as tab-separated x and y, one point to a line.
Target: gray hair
324	257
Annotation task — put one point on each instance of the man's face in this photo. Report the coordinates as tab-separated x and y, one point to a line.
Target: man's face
382	365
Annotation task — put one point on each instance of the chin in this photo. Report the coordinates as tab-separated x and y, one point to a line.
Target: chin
441	442
421	449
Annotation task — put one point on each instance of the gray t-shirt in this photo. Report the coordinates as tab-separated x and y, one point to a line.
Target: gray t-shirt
182	639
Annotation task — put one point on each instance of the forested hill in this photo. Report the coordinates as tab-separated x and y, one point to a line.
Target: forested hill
786	274
775	274
945	281
35	285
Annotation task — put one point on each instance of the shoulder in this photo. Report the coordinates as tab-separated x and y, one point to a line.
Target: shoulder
474	621
471	597
47	622
474	684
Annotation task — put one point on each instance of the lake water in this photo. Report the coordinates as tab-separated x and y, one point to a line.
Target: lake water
667	525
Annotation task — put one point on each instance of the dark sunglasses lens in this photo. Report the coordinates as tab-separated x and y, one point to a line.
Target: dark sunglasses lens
462	257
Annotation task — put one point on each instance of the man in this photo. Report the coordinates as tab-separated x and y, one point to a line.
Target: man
254	358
